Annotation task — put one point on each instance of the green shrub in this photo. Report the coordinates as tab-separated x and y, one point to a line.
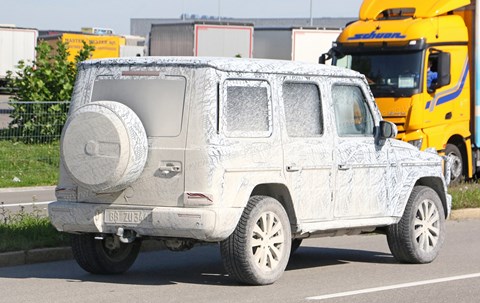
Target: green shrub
50	77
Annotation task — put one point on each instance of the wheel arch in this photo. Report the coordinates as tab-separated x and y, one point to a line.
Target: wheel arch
436	184
281	193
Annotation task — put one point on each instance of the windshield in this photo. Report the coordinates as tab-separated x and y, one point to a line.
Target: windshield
388	74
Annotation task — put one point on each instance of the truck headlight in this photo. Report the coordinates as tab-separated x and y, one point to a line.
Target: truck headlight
417	143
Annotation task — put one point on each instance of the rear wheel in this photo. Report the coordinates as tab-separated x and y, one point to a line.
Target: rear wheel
419	235
107	256
257	252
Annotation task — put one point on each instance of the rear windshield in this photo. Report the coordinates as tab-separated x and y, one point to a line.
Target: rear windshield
157	102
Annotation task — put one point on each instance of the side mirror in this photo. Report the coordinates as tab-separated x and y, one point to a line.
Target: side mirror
443	69
322	59
386	130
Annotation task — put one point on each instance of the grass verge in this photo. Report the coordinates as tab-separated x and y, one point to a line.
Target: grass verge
28	164
26	231
465	195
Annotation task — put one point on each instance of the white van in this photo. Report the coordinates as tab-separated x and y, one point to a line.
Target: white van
254	154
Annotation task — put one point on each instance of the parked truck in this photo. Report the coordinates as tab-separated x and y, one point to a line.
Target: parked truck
105	46
296	44
400	46
212	39
15	44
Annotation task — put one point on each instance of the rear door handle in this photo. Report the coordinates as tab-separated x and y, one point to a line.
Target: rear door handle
344	167
170	168
292	168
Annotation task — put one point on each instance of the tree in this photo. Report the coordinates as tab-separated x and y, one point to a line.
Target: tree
50	77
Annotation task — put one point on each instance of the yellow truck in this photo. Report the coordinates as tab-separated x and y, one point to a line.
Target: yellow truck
105	46
418	57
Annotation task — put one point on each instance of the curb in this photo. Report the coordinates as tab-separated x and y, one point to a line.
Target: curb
41	255
35	256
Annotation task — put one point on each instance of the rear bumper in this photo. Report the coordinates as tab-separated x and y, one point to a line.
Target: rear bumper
205	224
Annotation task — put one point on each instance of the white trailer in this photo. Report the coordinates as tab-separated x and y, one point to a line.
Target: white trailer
296	44
16	44
212	39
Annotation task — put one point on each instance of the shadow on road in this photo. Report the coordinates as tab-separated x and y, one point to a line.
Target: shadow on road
202	265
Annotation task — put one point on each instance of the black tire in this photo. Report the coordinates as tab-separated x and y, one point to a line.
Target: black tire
95	257
457	170
295	245
419	235
250	258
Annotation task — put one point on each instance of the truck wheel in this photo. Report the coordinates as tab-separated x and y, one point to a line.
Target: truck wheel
103	257
453	152
257	252
419	235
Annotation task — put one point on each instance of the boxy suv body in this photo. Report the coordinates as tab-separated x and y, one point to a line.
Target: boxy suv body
254	154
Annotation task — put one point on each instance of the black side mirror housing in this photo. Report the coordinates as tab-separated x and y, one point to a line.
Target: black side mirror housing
443	69
386	130
322	59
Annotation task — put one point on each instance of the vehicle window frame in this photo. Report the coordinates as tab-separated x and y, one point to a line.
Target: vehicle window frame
320	103
367	107
223	108
162	77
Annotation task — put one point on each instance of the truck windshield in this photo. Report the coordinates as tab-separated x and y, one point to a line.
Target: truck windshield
388	74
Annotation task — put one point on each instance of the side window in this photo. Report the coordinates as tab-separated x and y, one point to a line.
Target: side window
303	109
352	114
247	108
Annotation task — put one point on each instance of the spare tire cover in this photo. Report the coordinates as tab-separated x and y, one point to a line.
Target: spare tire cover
104	146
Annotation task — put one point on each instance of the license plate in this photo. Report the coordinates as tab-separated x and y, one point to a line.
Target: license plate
125	216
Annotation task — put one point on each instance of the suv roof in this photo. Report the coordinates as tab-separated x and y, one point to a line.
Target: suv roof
232	65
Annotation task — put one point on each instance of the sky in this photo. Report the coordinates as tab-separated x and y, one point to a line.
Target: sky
116	14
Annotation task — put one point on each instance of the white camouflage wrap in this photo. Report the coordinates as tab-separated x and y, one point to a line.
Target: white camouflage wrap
328	184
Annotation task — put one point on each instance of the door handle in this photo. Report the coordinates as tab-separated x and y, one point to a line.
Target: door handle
170	168
344	167
292	168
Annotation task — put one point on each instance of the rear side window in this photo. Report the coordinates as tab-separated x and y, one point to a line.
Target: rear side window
303	109
352	115
247	110
158	102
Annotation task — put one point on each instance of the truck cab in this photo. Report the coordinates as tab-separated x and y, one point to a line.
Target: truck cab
416	58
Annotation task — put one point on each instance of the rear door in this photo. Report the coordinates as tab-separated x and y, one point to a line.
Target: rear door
308	149
159	98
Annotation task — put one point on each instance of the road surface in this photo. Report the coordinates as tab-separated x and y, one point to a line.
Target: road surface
28	198
343	269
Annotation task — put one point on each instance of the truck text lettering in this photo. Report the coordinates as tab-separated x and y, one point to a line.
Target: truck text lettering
375	35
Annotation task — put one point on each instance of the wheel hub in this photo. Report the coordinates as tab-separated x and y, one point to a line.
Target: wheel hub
456	167
427	222
268	241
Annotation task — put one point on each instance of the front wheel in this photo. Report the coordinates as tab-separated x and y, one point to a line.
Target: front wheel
257	252
107	256
419	235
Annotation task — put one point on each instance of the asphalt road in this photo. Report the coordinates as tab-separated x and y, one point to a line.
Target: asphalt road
351	269
28	198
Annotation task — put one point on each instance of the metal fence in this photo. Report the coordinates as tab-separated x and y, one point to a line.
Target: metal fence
29	142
